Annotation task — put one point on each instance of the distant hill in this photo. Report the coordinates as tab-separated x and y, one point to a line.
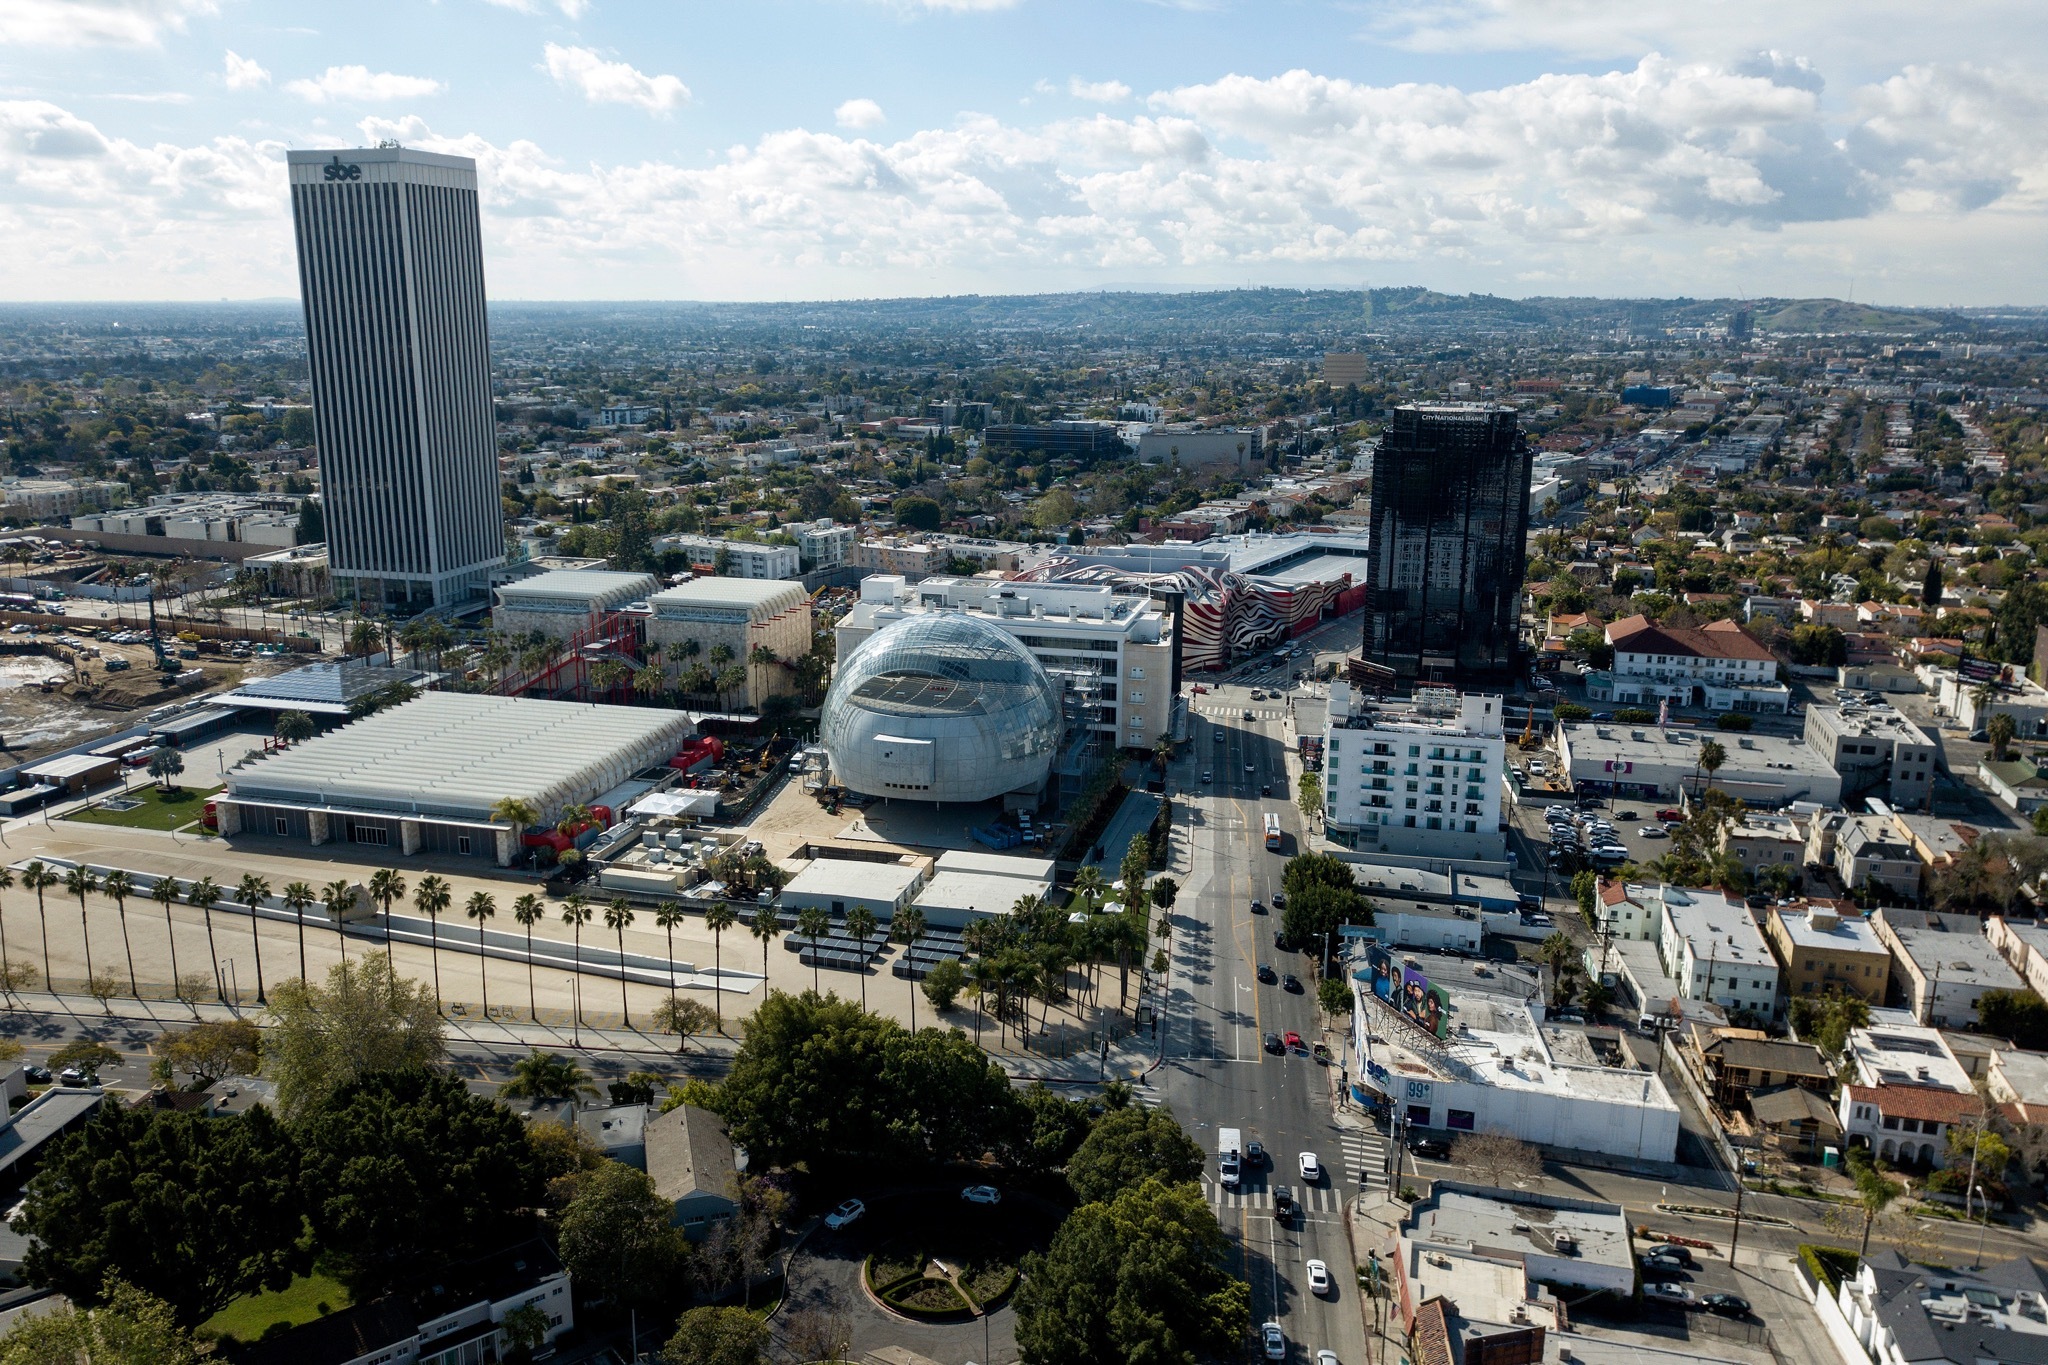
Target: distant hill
1833	315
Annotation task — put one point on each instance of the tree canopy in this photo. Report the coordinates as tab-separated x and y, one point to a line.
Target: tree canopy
1129	1146
717	1336
129	1328
1321	894
364	1020
618	1240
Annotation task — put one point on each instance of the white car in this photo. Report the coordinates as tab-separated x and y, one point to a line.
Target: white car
1671	1292
1326	1357
982	1194
1311	1169
846	1213
1273	1340
1318	1277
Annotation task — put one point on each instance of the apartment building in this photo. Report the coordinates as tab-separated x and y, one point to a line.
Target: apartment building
1876	750
1425	780
1718	667
1828	948
821	544
1942	964
736	558
1713	951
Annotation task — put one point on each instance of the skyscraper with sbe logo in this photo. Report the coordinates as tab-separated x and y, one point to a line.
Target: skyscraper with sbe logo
391	271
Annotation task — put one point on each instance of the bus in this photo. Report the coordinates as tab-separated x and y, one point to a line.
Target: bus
1272	831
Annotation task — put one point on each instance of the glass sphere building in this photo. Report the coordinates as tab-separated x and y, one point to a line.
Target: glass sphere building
941	707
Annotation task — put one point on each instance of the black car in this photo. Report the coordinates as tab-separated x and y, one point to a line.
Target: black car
37	1075
1265	789
1283	1203
1727	1305
1280	938
1291	982
1273	1044
1266	973
1258	907
1436	1149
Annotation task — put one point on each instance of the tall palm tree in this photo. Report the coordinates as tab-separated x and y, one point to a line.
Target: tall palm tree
516	812
299	898
339	897
6	975
813	922
252	891
203	893
165	893
1088	882
983	974
719	918
907	927
482	908
1712	756
38	878
528	910
430	898
666	918
765	925
119	886
860	924
544	1076
617	916
81	882
386	886
576	913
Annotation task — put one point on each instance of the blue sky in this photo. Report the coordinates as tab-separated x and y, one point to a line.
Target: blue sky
846	148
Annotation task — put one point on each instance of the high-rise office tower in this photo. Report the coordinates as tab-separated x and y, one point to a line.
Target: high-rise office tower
1450	520
391	269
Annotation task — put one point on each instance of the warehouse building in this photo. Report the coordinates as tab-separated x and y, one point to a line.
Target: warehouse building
566	602
1647	763
691	620
424	777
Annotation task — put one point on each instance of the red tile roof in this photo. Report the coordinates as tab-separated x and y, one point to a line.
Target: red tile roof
1919	1102
1715	640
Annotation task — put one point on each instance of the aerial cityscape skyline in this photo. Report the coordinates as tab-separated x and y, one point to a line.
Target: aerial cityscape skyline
975	146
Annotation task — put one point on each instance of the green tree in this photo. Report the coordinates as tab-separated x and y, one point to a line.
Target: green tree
1129	1146
2019	1016
576	913
1310	798
1139	1278
213	1050
431	898
766	925
918	513
482	907
1049	1129
1825	1020
906	927
528	911
130	1327
545	1076
813	922
406	1171
81	882
195	1211
38	877
861	924
1333	993
294	726
362	1021
85	1054
618	1239
942	984
299	898
718	1336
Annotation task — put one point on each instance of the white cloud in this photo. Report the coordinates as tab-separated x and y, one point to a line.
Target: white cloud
1930	184
360	85
603	82
859	114
90	23
244	73
1098	92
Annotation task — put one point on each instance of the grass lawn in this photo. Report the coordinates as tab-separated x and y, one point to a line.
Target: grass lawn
159	809
305	1299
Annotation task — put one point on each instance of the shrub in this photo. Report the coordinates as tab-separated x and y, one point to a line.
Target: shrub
1828	1265
926	1298
1634	715
1571	710
1732	721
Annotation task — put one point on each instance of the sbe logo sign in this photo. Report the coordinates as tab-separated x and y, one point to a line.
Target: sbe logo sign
335	170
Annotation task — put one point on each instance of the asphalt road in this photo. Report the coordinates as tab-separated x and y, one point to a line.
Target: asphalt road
1215	1072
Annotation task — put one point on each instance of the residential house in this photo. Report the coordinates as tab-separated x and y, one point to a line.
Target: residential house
1732	1064
1827	946
2024	945
1906	1314
1628	911
1903	1090
2018	782
694	1167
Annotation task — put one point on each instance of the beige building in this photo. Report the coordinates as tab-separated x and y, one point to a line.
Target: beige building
740	614
1825	949
566	601
1760	841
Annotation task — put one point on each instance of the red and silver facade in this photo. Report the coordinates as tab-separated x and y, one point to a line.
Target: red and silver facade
391	272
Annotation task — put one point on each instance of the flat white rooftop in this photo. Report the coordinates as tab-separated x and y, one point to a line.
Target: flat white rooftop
851	879
749	593
455	755
578	585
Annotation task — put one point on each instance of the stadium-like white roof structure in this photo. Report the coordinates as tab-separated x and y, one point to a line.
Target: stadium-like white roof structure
455	755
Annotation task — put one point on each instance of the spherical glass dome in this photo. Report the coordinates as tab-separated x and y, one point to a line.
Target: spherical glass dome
941	707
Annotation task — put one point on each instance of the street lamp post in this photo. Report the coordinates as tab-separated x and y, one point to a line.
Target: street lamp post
576	999
1977	1262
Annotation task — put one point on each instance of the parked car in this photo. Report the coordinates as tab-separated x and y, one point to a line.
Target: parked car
1667	1252
1670	1292
1727	1305
1273	1341
981	1194
1627	815
1327	1357
849	1212
1435	1149
1669	814
1318	1277
1311	1169
37	1075
1653	832
73	1076
1279	900
1291	983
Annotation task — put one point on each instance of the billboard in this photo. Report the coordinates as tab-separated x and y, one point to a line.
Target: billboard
1409	991
1618	765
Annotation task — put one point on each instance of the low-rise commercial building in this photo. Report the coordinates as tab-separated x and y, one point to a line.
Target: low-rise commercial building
1828	949
968	885
566	602
1236	447
2018	783
840	885
1424	781
1941	964
692	620
29	501
1876	750
1650	763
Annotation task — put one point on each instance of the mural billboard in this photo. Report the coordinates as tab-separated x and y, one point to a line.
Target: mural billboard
1410	992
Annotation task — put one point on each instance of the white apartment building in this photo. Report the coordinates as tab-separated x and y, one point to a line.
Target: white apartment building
1903	1088
1874	748
821	544
1124	640
37	500
743	558
1719	667
1713	951
1425	780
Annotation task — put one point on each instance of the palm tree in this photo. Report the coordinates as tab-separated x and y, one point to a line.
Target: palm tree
430	898
617	916
544	1076
1712	756
719	918
528	910
81	882
339	897
482	907
666	918
386	886
252	891
39	878
765	925
7	976
814	922
576	914
118	886
860	923
1088	882
294	726
649	681
983	974
907	926
204	894
730	680
516	812
298	898
164	893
